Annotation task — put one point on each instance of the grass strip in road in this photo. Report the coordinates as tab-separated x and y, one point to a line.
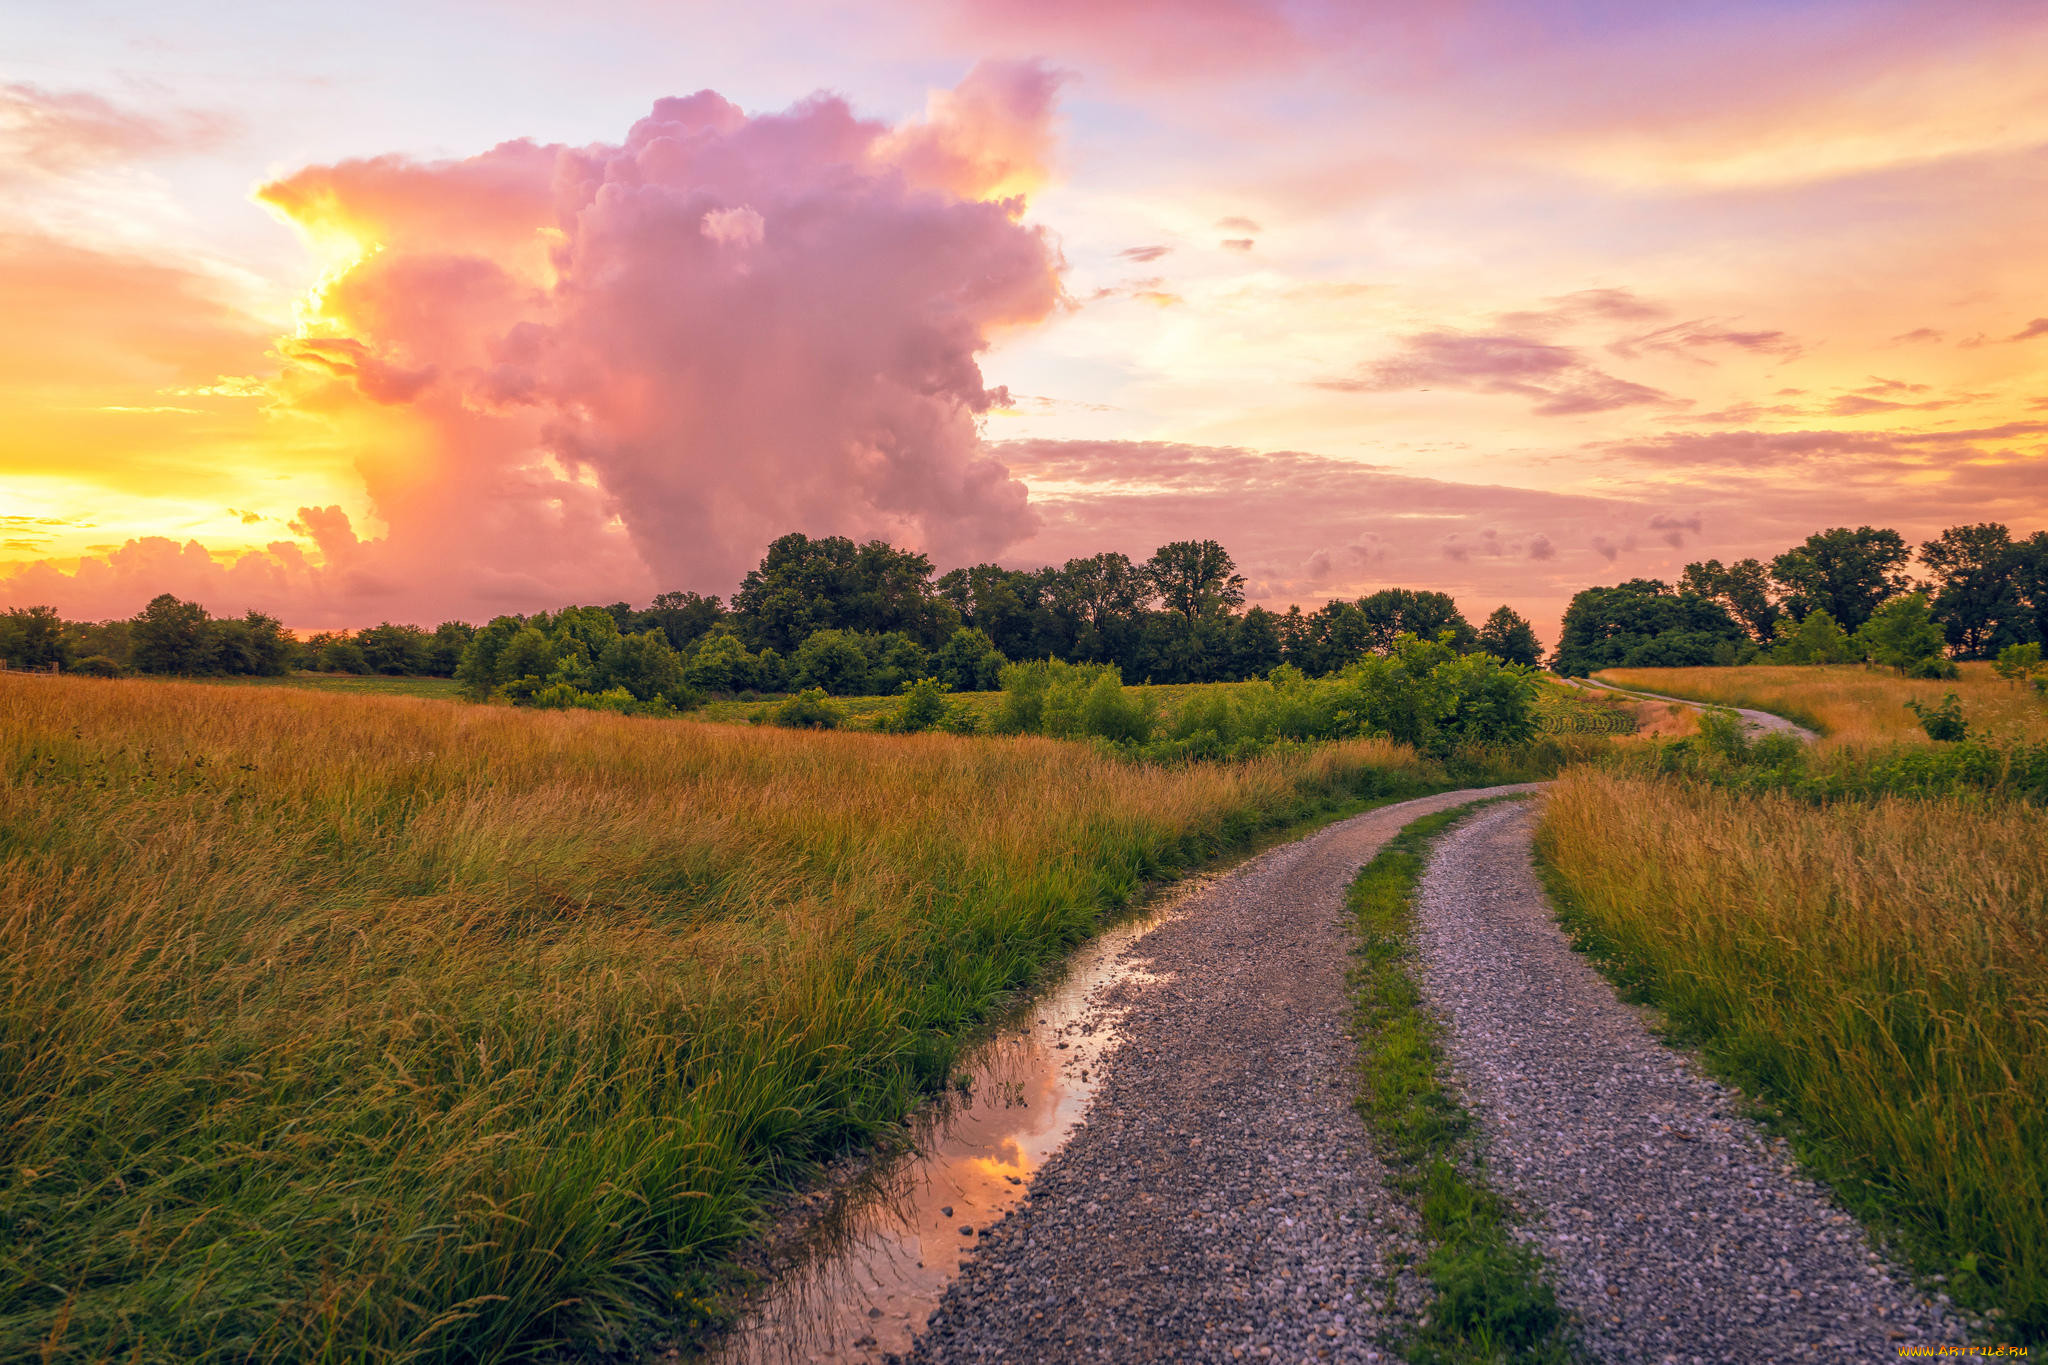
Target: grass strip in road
1491	1302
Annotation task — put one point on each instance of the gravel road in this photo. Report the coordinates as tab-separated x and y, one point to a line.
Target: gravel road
1756	722
1221	1201
1679	1232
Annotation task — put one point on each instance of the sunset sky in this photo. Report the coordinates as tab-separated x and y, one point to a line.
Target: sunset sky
443	309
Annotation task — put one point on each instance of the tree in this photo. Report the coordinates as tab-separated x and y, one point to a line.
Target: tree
1842	572
684	617
1643	623
394	650
645	666
1901	633
1743	589
171	636
2016	663
803	585
1254	645
1392	612
1508	635
1196	579
1977	589
831	660
444	653
1815	639
33	637
968	662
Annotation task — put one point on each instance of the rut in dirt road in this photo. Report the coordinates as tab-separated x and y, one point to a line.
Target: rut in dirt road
1678	1231
1222	1201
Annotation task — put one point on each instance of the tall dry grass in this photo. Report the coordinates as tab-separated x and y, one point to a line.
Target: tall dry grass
1848	703
1879	970
377	1029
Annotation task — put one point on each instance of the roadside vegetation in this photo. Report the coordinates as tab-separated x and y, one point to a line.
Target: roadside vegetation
380	1029
1490	1300
1852	705
1876	970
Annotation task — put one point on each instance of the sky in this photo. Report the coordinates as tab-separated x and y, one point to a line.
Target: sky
451	308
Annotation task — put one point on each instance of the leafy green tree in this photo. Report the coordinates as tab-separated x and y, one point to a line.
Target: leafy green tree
832	661
33	637
1815	638
444	652
2018	662
482	668
1255	648
1743	589
809	709
1195	579
646	667
1843	573
1976	578
1392	612
969	662
720	663
1944	723
529	654
172	636
684	617
894	659
1643	623
394	650
1507	635
803	586
1899	634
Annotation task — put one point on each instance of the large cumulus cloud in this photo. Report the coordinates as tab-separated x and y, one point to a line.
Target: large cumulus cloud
612	369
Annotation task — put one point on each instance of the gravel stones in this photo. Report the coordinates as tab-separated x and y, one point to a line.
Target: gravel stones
1221	1202
1677	1229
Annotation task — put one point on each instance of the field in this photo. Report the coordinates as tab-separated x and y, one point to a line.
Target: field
1848	703
345	1027
351	684
1877	970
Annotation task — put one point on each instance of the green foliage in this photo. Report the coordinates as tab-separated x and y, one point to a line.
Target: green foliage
1508	636
1643	623
1491	1301
809	709
1843	573
576	658
924	707
1943	723
2016	662
1813	639
969	662
1743	589
33	637
171	636
97	666
1901	634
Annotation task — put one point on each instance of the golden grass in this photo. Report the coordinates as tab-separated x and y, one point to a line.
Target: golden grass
1848	703
379	1029
1879	970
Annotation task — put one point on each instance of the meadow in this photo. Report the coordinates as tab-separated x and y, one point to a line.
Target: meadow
372	1028
1874	969
1848	703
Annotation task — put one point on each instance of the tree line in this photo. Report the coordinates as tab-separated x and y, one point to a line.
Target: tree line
846	618
1839	596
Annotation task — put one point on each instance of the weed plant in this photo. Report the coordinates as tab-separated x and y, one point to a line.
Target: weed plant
1492	1303
379	1029
1876	969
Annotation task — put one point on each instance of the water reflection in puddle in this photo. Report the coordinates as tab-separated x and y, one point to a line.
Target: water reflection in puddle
899	1235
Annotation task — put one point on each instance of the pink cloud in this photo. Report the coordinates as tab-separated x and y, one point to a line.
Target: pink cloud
55	132
1557	379
608	370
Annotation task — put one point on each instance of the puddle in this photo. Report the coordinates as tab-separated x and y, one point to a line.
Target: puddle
883	1257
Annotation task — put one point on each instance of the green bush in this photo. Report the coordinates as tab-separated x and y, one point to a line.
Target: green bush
1944	722
97	666
809	709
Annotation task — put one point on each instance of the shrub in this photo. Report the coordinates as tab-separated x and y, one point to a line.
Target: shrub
97	666
924	707
1943	723
2018	661
1943	670
809	709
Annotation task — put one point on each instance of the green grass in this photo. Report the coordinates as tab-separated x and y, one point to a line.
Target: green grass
864	710
1874	971
1491	1301
351	684
371	1029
